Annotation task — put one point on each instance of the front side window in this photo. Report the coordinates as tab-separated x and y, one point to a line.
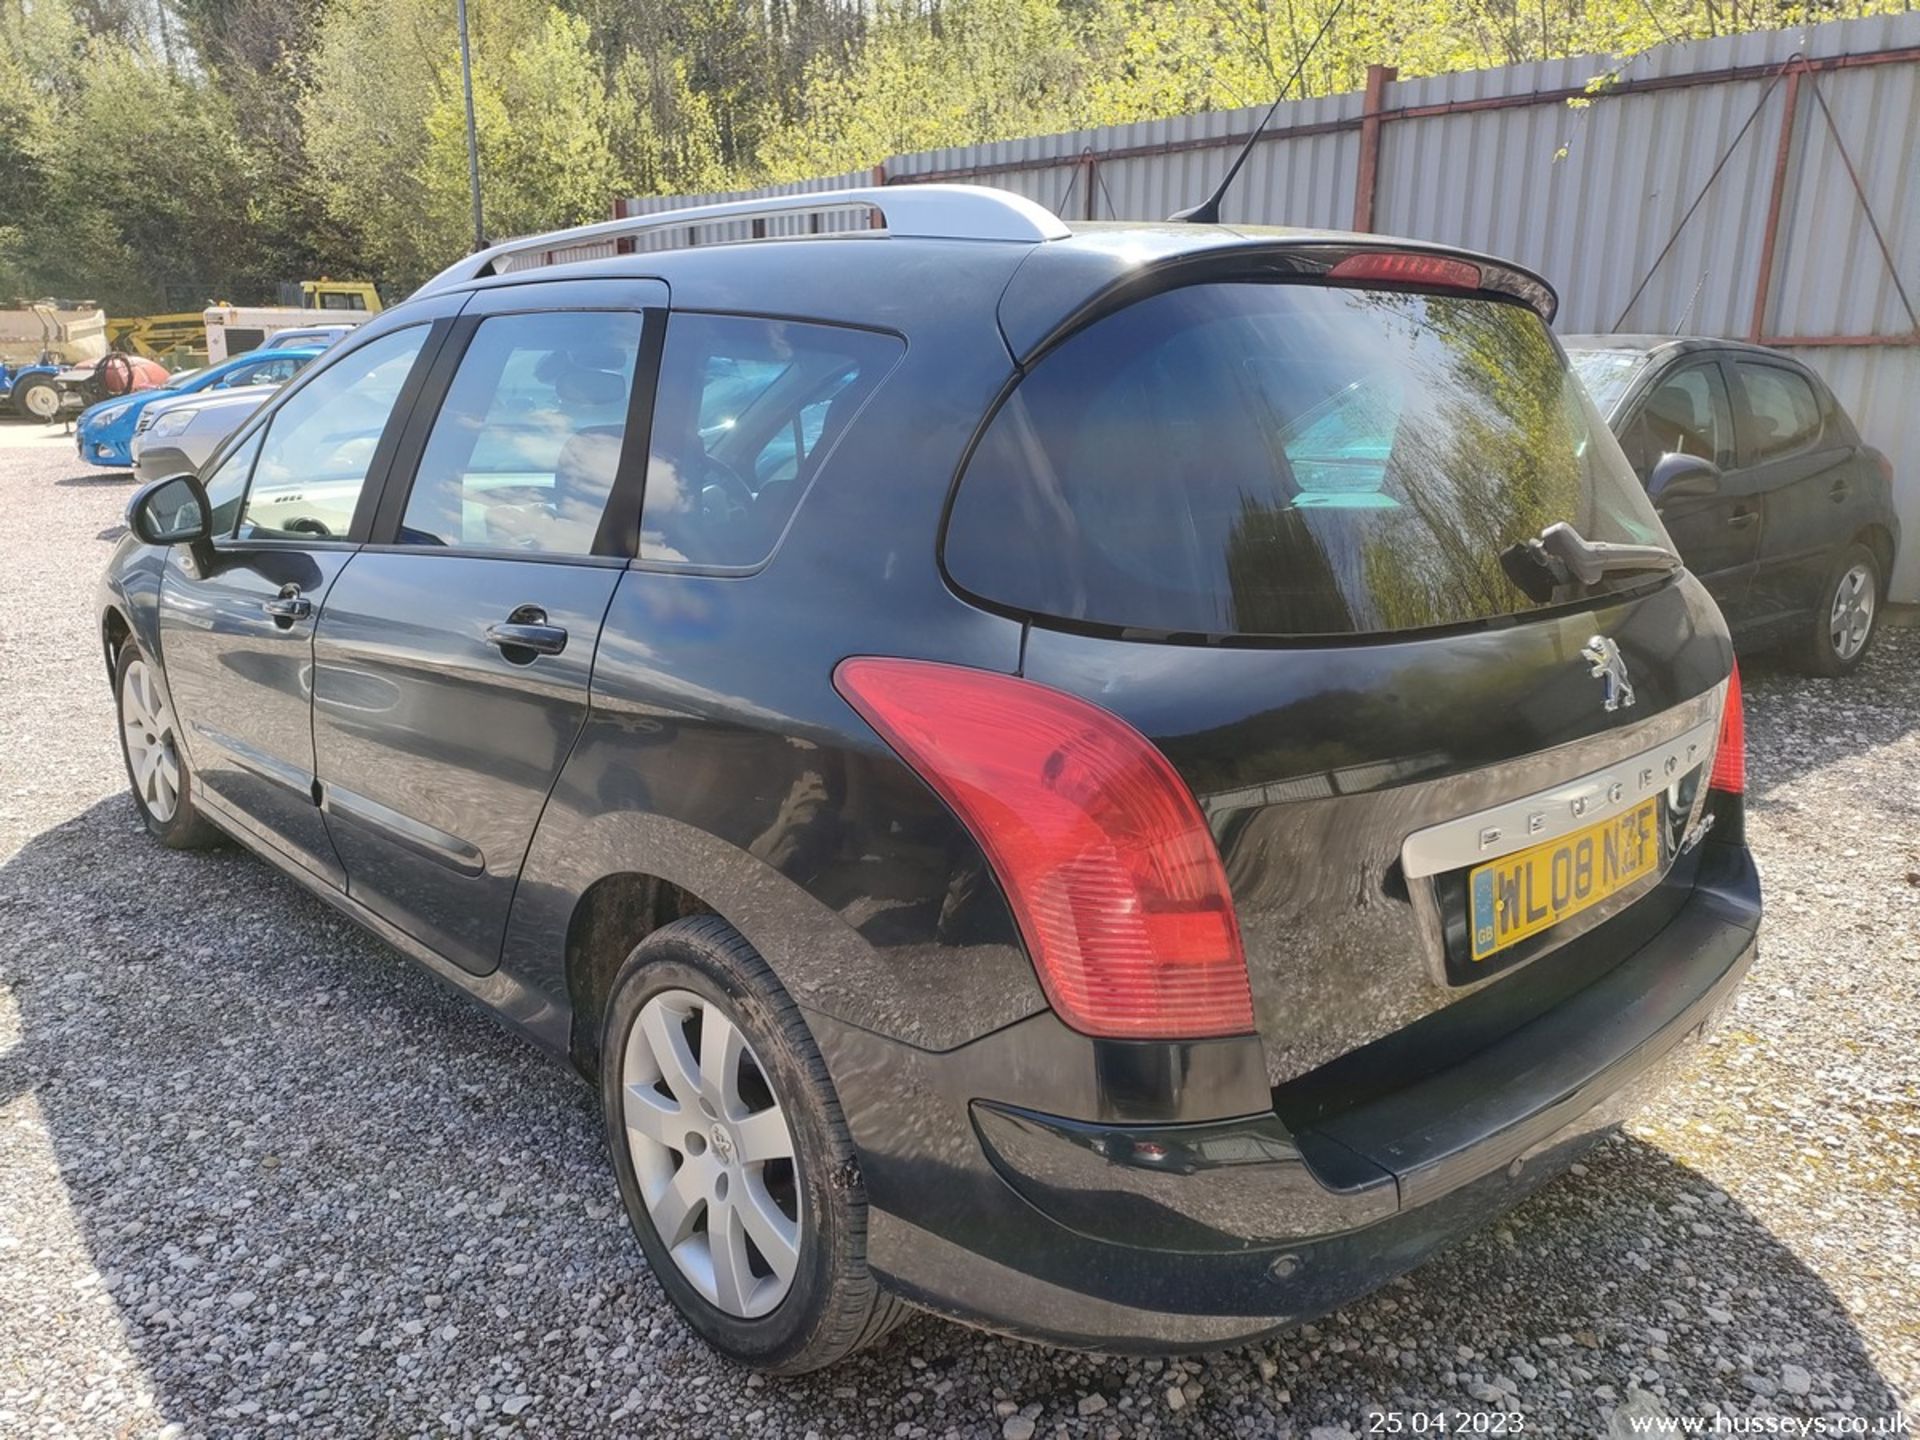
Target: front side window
320	444
1288	460
523	453
267	372
746	413
1687	414
227	485
1780	407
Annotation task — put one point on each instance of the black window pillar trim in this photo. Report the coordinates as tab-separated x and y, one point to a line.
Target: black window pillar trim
380	473
619	532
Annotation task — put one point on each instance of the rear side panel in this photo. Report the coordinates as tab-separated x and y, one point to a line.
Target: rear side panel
1315	764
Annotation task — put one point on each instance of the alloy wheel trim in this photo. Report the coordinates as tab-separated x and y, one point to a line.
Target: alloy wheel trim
717	1175
153	756
1851	619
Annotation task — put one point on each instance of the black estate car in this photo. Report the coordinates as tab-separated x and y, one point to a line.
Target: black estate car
1119	784
1762	481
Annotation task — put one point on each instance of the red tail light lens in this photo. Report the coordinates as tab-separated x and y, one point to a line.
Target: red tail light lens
1102	852
1730	760
1403	268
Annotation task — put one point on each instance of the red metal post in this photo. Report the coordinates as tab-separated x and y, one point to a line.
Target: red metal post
876	220
1770	239
623	245
1378	78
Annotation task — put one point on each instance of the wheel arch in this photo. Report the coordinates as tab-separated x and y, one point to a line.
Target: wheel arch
613	915
1877	538
115	631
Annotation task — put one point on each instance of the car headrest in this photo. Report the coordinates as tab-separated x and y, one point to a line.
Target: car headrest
1673	406
597	388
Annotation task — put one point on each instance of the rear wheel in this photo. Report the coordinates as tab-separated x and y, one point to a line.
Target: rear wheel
37	397
156	765
732	1154
1846	614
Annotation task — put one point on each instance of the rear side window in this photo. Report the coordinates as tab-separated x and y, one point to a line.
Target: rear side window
1287	460
1780	408
523	452
746	412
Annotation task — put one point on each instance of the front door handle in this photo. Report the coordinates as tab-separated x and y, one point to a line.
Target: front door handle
288	606
1840	490
526	630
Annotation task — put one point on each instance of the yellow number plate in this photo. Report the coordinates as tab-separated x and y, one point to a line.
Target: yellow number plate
1524	893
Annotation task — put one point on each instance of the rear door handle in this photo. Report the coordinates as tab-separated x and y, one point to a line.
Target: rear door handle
1841	489
1741	519
527	629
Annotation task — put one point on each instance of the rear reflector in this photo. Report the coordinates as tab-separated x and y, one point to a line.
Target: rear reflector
1404	268
1730	760
1103	854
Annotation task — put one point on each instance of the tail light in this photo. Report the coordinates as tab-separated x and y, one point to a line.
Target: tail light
1730	759
1405	268
1098	844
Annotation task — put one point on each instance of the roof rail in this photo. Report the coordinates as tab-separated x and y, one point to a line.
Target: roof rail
933	212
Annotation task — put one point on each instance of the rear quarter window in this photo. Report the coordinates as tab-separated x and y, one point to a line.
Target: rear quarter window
1287	460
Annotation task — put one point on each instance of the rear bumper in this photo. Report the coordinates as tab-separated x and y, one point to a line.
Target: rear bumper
1168	1236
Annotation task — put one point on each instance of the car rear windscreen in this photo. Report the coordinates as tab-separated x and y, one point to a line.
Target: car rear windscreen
1272	459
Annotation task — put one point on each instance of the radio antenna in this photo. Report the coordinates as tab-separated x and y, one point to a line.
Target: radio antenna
1207	212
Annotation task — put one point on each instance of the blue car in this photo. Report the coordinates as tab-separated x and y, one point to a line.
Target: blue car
104	432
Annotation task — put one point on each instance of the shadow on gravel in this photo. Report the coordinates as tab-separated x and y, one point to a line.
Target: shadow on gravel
1797	724
96	479
324	1193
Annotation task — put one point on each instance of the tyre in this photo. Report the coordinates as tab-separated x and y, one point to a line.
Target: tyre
1845	616
156	764
37	397
733	1156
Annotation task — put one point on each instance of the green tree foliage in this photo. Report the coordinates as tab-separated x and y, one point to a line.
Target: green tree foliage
157	154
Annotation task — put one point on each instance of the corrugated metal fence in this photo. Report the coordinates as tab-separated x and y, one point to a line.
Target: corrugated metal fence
1779	249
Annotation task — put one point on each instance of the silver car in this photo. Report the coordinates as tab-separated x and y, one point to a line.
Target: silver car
176	435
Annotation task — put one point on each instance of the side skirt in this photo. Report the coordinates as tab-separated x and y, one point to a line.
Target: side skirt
519	1008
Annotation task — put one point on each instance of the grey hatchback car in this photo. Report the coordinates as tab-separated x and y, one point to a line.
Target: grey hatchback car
1117	783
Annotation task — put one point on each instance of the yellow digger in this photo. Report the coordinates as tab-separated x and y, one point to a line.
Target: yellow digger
190	337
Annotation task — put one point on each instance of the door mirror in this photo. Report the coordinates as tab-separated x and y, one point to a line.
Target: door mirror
172	511
1677	477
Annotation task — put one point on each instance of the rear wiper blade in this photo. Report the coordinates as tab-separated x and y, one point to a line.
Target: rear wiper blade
1561	556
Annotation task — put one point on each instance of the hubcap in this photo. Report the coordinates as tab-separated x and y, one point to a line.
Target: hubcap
712	1152
147	721
41	401
1852	618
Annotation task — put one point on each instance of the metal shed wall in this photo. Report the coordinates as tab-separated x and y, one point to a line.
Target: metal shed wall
1590	195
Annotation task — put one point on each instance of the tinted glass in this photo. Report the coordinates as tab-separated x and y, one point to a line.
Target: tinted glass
1606	374
1287	460
227	485
319	444
1781	409
523	453
746	413
266	372
1687	414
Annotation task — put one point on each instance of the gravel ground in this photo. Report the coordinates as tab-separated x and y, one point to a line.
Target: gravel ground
260	1176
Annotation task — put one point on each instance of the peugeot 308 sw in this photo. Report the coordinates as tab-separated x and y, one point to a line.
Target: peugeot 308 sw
1118	784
